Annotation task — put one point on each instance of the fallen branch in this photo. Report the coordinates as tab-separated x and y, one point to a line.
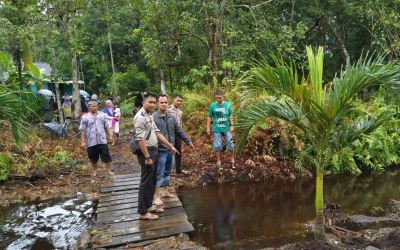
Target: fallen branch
30	184
49	181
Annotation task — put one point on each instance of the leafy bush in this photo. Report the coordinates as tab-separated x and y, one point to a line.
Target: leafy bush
126	108
132	81
6	161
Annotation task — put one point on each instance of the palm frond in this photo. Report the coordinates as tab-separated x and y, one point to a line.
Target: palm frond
279	80
367	72
345	135
14	112
260	110
316	65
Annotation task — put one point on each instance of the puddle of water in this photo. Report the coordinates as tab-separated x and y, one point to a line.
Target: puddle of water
47	225
275	213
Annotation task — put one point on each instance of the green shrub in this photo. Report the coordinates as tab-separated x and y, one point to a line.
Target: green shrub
6	161
126	108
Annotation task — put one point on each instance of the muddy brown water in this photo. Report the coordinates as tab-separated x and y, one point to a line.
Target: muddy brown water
275	213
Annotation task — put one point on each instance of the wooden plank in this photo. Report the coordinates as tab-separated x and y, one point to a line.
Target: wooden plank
135	216
134	210
111	198
148	235
127	195
122	183
131	227
126	176
129	205
109	194
118	202
116	189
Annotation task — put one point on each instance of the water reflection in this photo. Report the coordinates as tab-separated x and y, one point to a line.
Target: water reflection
274	213
49	225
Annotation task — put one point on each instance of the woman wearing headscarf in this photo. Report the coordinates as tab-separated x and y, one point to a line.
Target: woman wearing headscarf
109	110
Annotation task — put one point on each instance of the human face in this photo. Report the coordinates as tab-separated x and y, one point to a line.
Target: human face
219	99
163	103
93	108
149	104
177	102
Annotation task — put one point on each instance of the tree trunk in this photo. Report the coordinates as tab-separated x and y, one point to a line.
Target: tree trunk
57	86
319	231
163	85
76	100
343	48
212	47
19	67
115	88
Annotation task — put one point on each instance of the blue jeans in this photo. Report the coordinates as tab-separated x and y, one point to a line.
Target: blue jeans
164	168
217	141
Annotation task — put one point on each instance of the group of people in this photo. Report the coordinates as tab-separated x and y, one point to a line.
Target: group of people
159	135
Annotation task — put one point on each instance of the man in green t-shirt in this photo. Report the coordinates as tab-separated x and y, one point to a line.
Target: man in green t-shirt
221	114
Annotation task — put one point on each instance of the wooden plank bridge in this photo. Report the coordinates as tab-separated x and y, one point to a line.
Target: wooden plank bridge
118	221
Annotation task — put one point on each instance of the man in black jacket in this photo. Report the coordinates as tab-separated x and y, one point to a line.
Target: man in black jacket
170	129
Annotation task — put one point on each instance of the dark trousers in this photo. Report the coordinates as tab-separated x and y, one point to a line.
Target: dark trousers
147	182
178	157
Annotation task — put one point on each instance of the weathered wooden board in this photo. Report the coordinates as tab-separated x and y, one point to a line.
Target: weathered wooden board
120	188
117	212
131	227
134	209
129	205
148	235
135	216
121	183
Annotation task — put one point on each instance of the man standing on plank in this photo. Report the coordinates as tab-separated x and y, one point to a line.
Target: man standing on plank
148	136
171	131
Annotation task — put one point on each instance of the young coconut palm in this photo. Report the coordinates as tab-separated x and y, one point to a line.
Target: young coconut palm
324	113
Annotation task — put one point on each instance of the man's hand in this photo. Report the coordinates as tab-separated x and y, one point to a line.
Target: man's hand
148	162
83	144
173	150
208	131
192	146
231	129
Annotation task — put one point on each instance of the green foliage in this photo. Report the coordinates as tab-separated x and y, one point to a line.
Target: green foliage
61	158
131	81
6	161
126	108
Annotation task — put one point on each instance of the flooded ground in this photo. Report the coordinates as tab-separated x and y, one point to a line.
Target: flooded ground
271	214
47	225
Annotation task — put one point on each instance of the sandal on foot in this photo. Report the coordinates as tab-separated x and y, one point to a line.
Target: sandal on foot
233	166
149	216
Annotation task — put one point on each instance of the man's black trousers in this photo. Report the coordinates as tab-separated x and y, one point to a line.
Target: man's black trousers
147	181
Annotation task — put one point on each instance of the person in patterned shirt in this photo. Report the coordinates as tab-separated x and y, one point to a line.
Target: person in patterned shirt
94	126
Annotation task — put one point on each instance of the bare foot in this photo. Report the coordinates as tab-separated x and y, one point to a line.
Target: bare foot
148	216
158	201
169	195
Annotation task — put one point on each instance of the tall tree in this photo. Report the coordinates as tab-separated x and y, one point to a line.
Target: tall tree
64	15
